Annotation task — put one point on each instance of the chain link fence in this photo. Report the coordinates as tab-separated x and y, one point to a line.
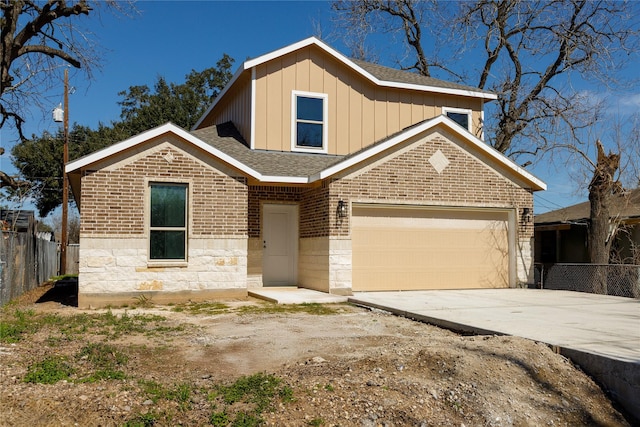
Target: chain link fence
26	261
622	280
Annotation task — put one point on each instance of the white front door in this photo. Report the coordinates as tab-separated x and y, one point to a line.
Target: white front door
279	244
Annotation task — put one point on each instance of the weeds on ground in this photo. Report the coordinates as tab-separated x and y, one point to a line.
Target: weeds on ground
105	359
14	326
143	420
180	393
98	361
308	308
206	308
213	308
49	371
258	393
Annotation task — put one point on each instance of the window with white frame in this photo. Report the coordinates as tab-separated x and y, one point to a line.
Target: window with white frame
461	116
309	124
168	221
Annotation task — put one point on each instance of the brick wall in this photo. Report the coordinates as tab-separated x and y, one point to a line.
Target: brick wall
113	201
271	194
410	178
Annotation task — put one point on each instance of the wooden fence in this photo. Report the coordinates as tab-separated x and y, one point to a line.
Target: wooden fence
26	261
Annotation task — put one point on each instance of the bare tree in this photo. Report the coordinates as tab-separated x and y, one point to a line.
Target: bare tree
38	37
523	48
608	176
527	53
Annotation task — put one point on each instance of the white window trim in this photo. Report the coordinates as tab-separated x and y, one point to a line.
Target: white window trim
325	121
167	262
466	111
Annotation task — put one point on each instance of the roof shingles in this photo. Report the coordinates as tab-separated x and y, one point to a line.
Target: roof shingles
625	206
226	138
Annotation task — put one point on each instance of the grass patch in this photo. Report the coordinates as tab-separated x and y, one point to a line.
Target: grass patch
49	371
142	420
179	393
250	396
206	308
14	327
308	308
102	355
106	360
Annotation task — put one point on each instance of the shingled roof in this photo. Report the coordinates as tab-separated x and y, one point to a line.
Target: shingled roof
399	76
226	138
625	206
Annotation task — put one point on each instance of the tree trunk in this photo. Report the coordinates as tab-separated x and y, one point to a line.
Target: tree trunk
600	236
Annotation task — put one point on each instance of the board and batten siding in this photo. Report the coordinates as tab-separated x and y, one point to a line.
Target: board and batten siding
234	106
360	113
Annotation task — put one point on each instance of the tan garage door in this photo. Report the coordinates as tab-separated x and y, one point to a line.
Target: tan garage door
420	248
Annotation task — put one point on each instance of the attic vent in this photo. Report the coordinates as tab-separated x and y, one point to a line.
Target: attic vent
439	161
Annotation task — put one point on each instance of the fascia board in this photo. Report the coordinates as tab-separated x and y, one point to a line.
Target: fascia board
345	60
477	143
285	179
153	133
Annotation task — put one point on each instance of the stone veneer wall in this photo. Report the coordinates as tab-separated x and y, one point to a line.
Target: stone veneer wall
409	178
114	263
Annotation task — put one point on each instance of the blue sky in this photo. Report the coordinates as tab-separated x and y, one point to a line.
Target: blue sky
170	39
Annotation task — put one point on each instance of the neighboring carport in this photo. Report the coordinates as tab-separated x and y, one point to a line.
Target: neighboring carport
598	332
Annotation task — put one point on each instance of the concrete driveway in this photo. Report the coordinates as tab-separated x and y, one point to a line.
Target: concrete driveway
598	332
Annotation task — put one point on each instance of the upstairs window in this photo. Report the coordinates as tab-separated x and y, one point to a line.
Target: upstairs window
309	131
459	115
168	222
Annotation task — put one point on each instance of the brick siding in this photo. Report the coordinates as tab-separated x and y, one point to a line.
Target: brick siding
410	178
113	201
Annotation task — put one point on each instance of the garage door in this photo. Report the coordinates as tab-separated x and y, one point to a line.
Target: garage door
399	248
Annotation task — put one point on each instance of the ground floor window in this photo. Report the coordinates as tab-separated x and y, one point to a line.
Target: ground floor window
168	222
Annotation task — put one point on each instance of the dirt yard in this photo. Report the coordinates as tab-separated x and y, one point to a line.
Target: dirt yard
248	363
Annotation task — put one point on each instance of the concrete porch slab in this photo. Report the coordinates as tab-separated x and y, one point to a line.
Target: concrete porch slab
293	295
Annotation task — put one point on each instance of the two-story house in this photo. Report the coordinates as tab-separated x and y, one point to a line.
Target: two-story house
309	169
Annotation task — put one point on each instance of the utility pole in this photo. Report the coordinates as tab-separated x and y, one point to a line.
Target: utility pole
65	183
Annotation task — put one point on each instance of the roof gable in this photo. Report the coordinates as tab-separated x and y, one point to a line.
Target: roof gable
224	143
376	74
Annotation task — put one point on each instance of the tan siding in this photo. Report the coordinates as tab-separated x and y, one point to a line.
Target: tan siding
275	106
261	99
405	109
288	77
340	104
234	107
316	71
302	73
359	112
354	127
393	110
331	89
